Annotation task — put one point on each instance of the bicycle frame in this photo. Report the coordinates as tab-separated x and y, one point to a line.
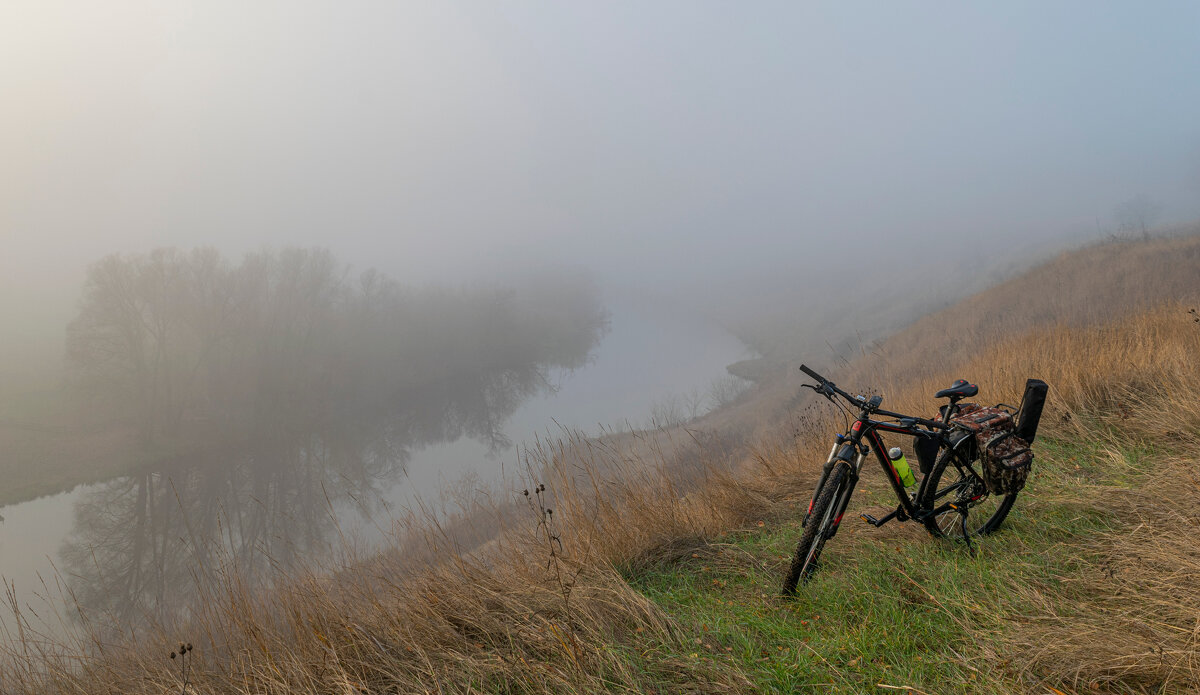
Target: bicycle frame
853	447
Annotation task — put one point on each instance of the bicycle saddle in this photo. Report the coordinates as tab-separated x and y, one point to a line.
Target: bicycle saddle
959	389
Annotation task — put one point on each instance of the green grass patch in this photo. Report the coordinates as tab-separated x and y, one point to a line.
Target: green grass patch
890	606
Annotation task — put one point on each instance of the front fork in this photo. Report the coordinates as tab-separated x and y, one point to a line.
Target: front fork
844	449
825	470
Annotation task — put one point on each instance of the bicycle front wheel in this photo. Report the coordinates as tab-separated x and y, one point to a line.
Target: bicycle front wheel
955	479
818	529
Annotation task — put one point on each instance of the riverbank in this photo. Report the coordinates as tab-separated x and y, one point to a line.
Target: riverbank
639	572
45	457
142	526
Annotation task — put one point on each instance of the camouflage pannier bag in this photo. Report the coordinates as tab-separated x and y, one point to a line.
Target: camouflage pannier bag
1005	458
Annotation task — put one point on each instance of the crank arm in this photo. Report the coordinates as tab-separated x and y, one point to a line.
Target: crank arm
880	522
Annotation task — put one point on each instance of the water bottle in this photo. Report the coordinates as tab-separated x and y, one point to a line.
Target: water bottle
901	465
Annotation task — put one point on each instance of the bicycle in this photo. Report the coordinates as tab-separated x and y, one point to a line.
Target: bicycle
944	449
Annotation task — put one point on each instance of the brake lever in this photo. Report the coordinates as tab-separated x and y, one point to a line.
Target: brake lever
822	389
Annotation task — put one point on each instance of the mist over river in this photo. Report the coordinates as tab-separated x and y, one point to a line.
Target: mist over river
135	546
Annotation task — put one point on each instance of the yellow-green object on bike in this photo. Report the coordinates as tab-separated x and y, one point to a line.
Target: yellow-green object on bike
901	465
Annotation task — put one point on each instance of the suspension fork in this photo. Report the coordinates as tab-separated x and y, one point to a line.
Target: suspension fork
825	471
844	500
844	449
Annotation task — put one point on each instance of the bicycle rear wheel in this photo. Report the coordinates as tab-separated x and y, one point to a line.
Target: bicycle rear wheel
955	478
817	530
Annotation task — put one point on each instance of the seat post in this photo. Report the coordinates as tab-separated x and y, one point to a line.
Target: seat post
959	390
949	411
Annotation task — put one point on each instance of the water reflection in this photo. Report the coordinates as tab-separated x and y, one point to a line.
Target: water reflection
143	544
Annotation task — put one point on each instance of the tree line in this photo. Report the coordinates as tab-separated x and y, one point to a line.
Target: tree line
189	344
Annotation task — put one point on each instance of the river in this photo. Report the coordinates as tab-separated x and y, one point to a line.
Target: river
124	546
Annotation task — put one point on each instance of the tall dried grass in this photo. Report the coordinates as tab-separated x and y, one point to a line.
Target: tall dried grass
1136	374
1131	621
538	603
515	599
1079	288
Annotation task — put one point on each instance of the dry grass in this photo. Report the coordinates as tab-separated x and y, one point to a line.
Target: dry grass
539	603
1135	374
1085	287
1130	622
498	621
541	606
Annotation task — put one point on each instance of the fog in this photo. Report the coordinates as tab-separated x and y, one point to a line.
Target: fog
702	150
266	266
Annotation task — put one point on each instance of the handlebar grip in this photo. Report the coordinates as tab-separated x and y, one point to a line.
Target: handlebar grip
811	373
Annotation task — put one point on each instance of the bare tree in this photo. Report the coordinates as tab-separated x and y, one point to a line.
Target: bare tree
666	412
694	402
726	390
130	339
1136	216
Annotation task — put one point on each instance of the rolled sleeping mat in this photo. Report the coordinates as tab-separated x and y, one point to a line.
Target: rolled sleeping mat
1030	413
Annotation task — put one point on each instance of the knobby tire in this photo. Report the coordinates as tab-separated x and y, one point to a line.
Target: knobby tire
816	531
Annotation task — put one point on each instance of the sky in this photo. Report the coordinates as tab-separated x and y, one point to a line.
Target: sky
655	144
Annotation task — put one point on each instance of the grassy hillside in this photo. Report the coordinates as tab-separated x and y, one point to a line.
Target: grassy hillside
662	576
1092	284
1102	543
1076	288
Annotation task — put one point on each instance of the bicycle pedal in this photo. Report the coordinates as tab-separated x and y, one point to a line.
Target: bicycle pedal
880	522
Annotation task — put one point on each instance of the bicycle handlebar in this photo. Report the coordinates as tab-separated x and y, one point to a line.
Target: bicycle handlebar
811	373
828	385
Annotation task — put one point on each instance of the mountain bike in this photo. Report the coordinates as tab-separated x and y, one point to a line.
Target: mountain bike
951	490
